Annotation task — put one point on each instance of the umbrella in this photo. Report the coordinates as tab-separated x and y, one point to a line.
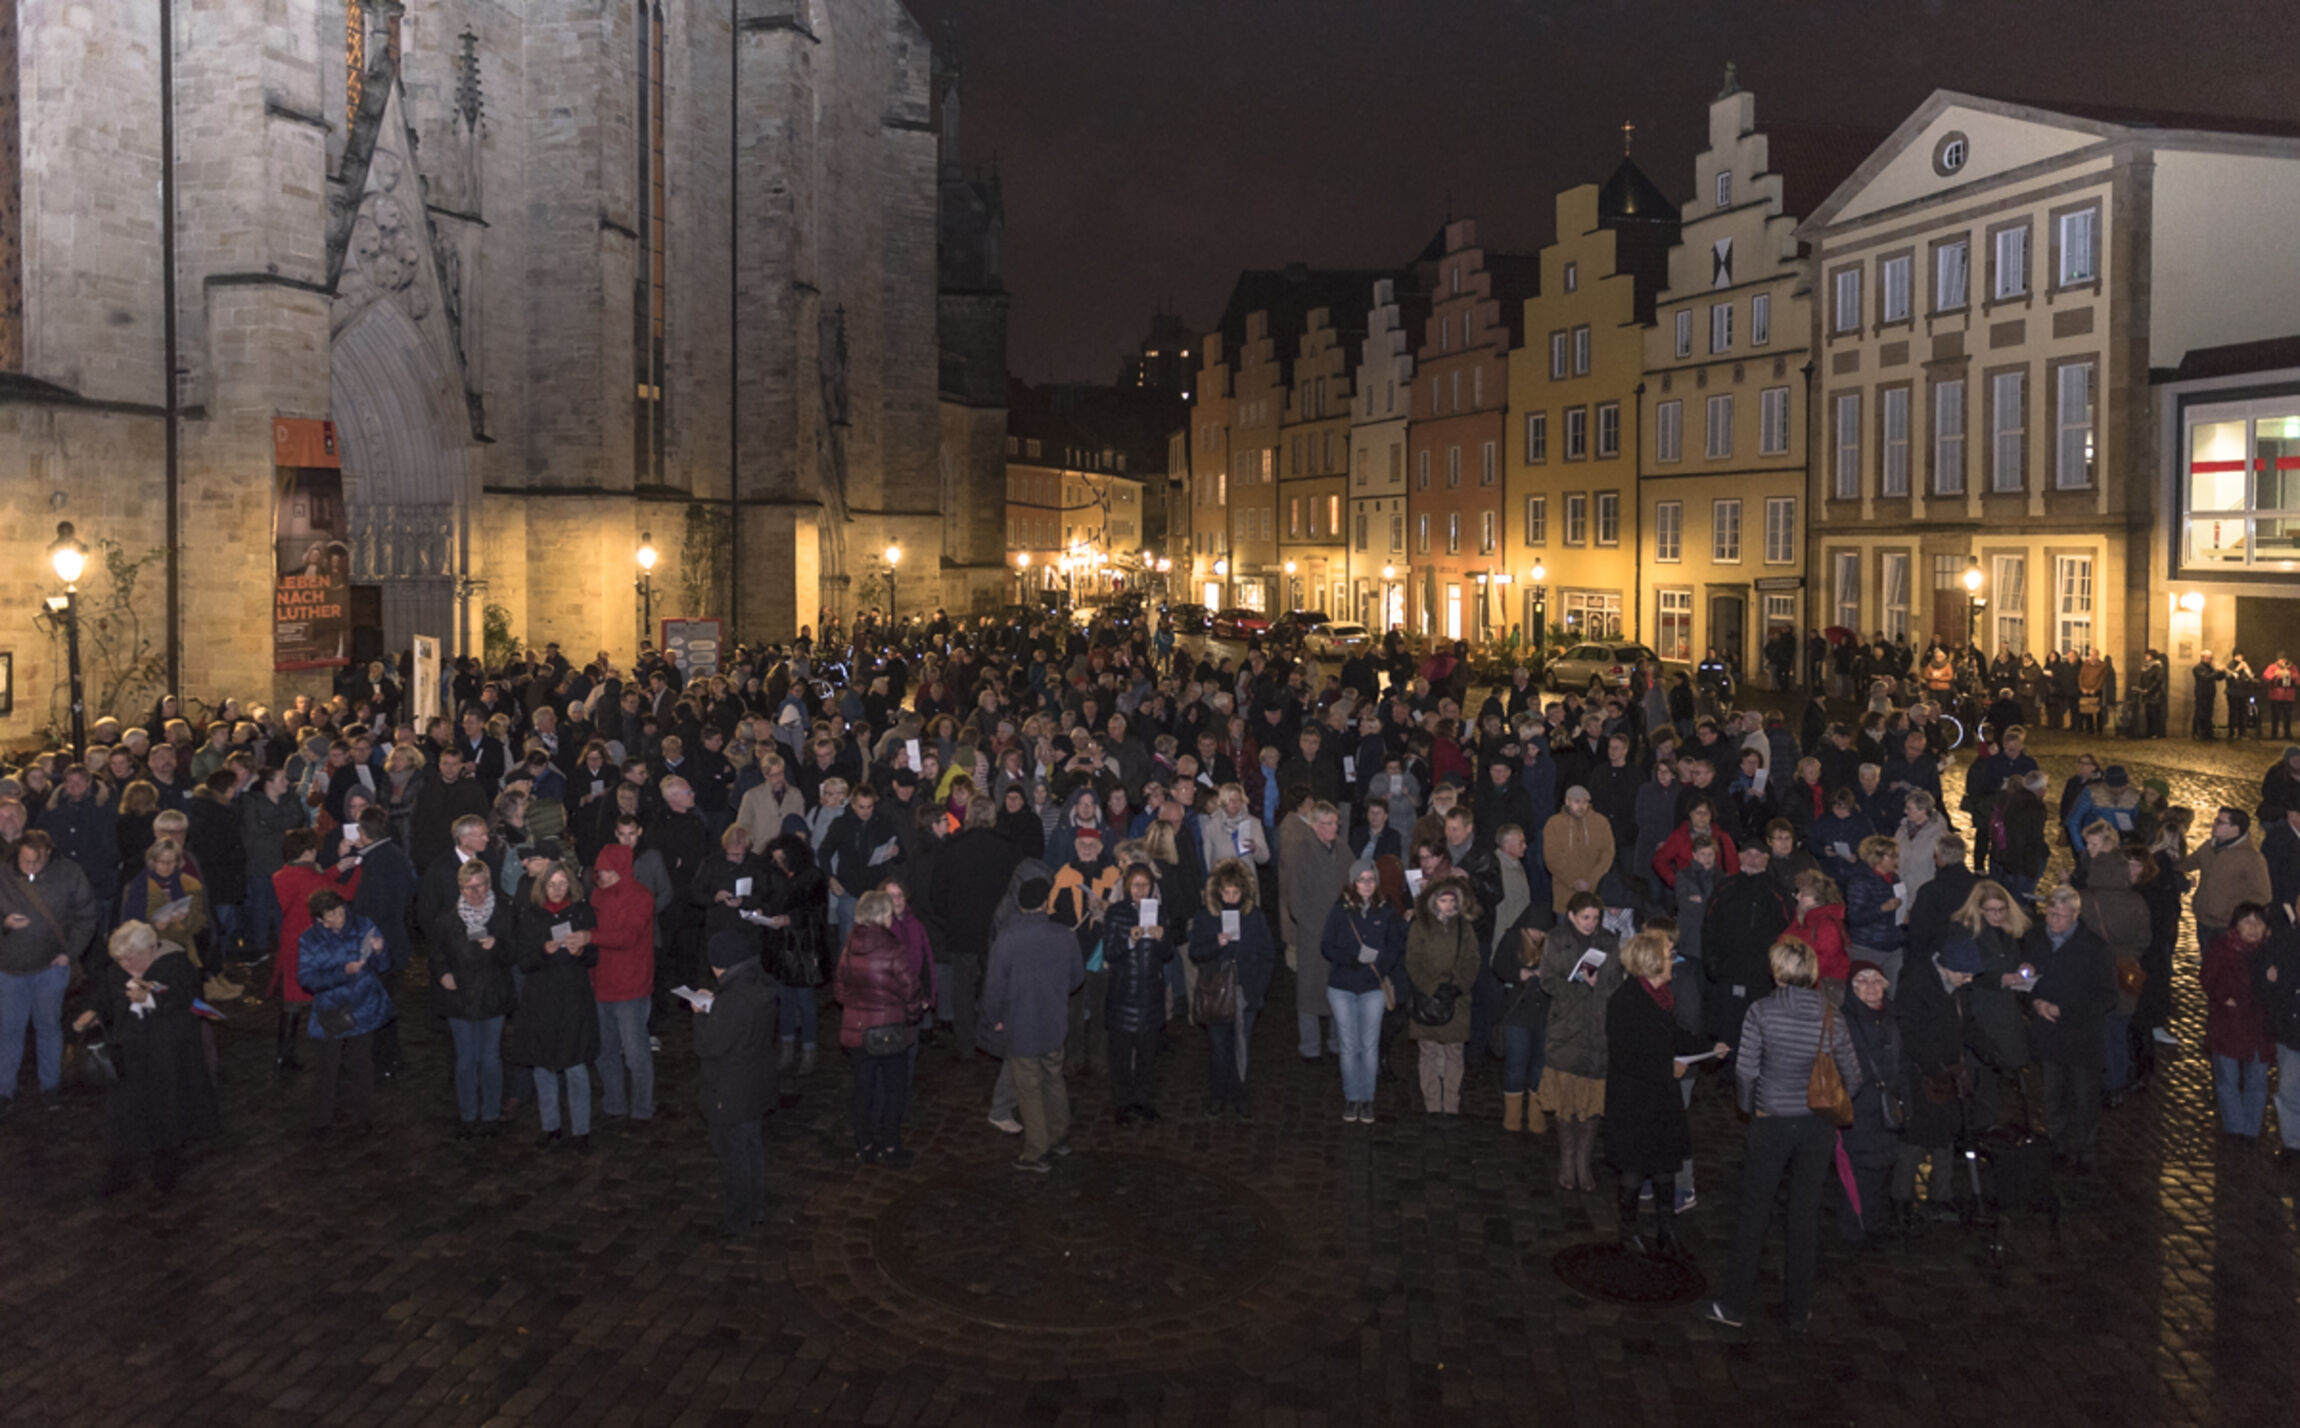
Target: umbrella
1838	635
1845	1178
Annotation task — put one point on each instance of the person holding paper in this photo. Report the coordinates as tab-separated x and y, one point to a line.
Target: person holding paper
1873	904
1138	940
734	1029
471	956
1647	1055
556	1033
171	899
1364	942
1229	928
1579	969
336	962
731	889
1442	951
163	1100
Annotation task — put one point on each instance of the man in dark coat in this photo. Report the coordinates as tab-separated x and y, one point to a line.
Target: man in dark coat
681	838
385	896
735	1040
972	873
1938	900
1746	914
1035	968
449	792
2075	993
81	823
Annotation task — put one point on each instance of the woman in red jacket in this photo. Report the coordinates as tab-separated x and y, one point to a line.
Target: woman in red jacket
624	981
1820	925
293	885
878	990
2235	1023
1677	849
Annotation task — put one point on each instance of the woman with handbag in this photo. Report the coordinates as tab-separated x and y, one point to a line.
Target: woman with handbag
1230	942
1647	1137
339	961
1441	966
556	1033
1573	1041
162	1100
880	999
1136	946
1796	1069
1363	942
1880	1111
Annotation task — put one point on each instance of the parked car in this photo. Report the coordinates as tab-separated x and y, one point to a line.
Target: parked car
1594	666
1289	628
1236	622
1338	637
1190	619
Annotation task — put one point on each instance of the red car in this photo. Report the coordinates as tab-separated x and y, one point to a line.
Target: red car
1237	623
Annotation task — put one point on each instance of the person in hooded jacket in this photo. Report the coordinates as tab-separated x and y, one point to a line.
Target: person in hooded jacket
556	1033
1232	887
1139	934
471	956
1442	950
623	981
1573	1046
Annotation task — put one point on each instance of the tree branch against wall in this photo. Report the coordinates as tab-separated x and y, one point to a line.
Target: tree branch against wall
705	550
118	662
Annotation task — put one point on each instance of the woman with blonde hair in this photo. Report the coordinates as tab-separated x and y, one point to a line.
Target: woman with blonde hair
163	1100
1781	1038
164	889
880	1000
1993	920
1646	1134
1229	931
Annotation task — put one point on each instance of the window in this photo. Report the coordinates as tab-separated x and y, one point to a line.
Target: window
1455	403
2242	486
1577	520
1608	430
1361	530
2011	603
1398	534
1572	277
2008	434
1893	278
1576	433
1760	319
1675	611
1557	356
1487	531
1445	332
1685	333
1537	520
1294	517
1609	518
2073	449
2072	580
1893	573
1669	431
1773	421
1949	438
1476	385
1422	533
1581	351
1725	531
1669	531
1334	517
1536	436
1452	466
1846	468
1422	469
1725	188
1485	464
1593	614
1893	417
1718	438
2010	248
1780	530
1847	576
1397	460
1845	314
2078	250
1721	327
1453	533
1950	260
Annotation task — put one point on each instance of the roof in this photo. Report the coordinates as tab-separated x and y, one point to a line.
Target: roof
2234	359
1088	418
1630	195
1290	294
2138	117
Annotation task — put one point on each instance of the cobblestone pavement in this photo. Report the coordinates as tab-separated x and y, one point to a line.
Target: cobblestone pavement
1294	1271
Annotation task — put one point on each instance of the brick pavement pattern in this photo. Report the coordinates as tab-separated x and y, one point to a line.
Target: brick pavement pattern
1294	1271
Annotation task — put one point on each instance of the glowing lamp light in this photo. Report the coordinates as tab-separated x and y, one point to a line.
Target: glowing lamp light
1540	572
68	555
1972	575
647	554
1022	559
2193	602
894	555
1389	572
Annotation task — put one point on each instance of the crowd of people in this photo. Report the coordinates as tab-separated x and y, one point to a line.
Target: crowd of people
1074	848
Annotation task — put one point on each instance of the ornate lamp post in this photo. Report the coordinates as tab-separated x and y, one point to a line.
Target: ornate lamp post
1539	575
69	559
1974	604
646	557
893	559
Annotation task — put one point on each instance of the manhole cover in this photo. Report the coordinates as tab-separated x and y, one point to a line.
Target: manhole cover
1610	1273
1105	1240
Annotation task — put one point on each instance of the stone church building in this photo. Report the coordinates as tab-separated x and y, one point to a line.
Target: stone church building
560	273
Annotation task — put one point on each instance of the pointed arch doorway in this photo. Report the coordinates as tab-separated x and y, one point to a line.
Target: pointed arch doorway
405	486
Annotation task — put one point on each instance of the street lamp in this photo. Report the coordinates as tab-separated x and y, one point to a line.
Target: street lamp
1974	604
893	559
1389	578
1539	575
646	557
70	558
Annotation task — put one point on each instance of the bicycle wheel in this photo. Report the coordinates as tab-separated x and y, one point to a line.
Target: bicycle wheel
1956	731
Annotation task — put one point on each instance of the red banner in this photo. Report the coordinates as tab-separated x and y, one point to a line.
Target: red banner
311	604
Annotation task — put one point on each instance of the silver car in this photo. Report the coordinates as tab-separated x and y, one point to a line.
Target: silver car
1340	637
1594	666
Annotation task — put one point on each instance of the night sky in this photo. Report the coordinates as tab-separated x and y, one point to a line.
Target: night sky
1152	148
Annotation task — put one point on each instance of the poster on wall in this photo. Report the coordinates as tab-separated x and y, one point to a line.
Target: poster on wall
692	646
311	604
425	679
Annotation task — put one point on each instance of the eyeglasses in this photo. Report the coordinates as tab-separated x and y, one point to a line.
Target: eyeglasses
1995	909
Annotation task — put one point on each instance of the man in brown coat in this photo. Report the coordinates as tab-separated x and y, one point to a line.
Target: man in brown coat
1313	864
1576	847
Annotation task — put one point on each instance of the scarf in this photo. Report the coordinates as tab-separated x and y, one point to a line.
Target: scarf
475	919
1664	994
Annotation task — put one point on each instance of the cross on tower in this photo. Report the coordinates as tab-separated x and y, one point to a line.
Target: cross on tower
1628	135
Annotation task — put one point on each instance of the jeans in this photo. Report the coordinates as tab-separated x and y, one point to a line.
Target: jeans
1801	1149
39	1000
2243	1090
795	1014
223	930
843	914
626	1064
743	1159
1358	1025
2116	1052
876	1110
478	1067
578	1098
2287	1079
260	921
